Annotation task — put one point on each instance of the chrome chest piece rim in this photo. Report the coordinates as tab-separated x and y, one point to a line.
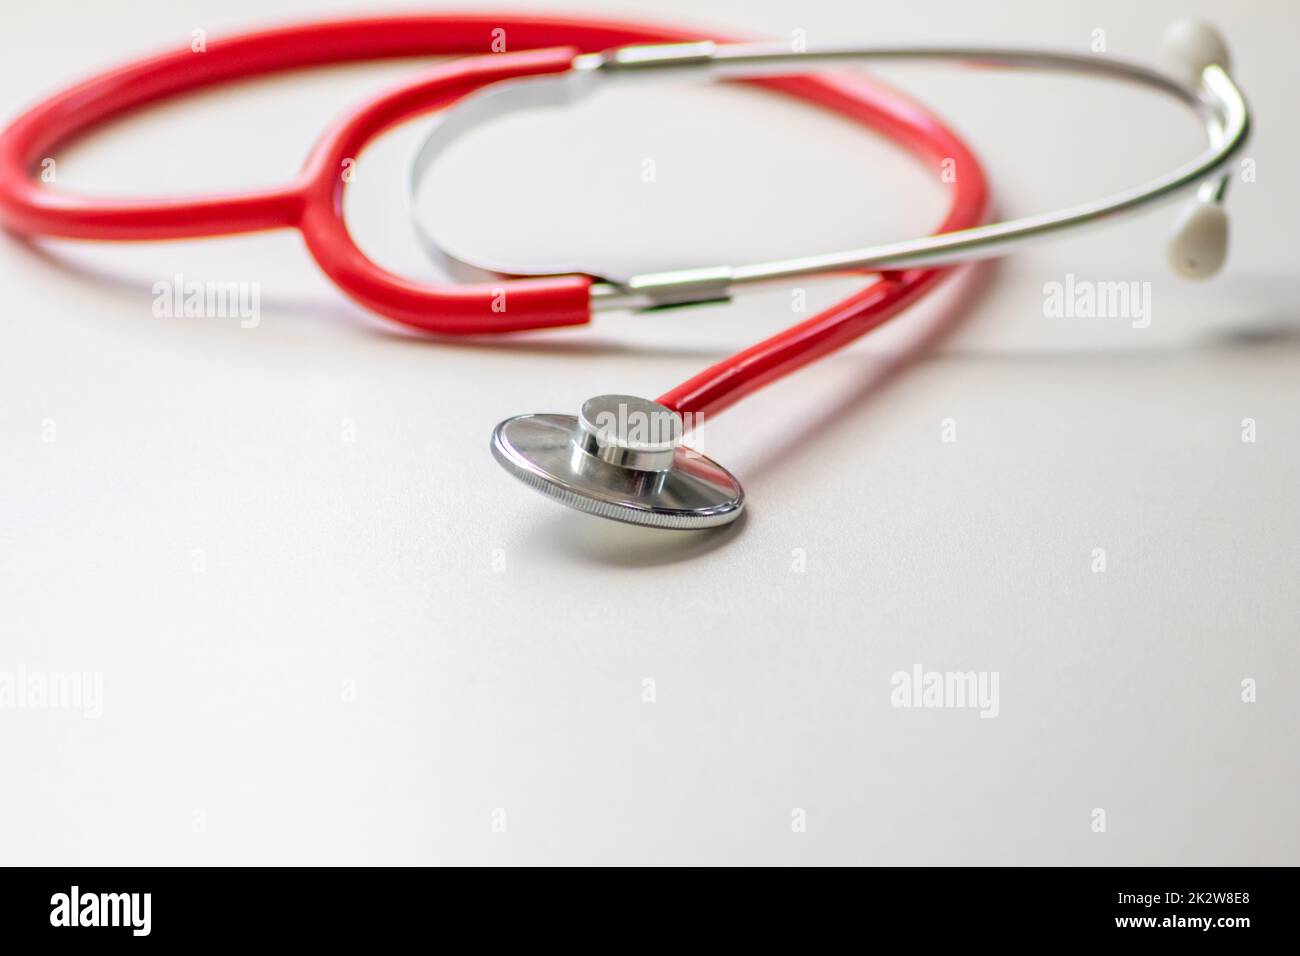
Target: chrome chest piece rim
620	458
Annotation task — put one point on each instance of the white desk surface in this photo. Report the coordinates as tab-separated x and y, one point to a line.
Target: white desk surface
316	649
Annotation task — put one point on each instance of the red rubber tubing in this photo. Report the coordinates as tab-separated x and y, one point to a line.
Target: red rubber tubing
313	203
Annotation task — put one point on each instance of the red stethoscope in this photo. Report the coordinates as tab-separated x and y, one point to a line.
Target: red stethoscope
602	461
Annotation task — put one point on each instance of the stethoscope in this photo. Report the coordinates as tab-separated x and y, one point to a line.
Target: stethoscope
620	457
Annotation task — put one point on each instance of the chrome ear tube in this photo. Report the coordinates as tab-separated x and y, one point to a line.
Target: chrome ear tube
1197	248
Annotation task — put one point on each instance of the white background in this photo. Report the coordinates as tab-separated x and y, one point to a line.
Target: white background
200	532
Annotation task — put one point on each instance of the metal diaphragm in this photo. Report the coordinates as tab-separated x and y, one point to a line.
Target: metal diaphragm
620	458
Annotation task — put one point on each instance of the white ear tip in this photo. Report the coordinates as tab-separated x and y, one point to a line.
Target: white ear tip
1192	45
1199	245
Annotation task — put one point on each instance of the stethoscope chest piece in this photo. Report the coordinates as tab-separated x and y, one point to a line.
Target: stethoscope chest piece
622	458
